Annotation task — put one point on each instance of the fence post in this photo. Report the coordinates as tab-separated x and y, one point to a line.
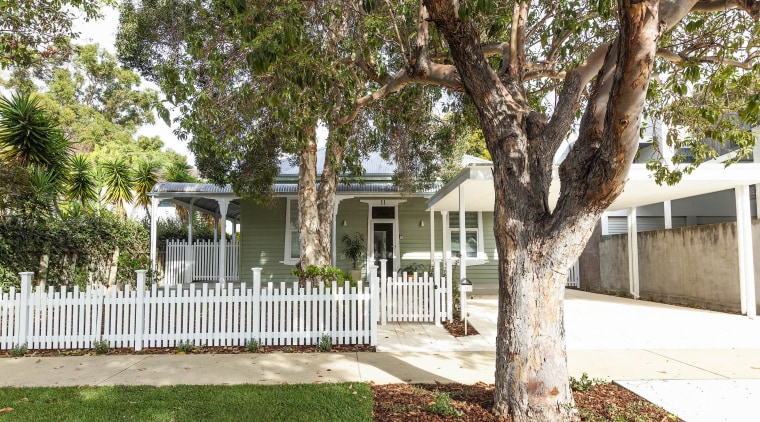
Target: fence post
23	308
257	302
437	292
140	311
375	297
449	291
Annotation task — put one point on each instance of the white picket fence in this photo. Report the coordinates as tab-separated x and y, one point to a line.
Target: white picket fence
573	277
229	314
202	261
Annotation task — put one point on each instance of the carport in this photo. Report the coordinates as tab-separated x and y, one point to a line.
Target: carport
472	190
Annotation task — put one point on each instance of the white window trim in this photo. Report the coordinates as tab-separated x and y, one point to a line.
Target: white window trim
481	257
287	259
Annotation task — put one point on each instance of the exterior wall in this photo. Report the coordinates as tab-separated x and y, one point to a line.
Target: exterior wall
262	241
588	263
689	265
262	237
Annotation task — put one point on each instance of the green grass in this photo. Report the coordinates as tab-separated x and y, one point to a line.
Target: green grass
312	402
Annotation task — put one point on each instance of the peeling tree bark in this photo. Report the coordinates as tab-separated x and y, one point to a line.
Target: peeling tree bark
537	245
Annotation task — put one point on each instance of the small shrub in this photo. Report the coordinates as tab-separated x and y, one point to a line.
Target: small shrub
441	405
324	274
325	344
252	346
100	347
185	346
18	350
584	383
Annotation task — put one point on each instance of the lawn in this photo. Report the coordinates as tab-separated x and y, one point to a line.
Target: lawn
312	402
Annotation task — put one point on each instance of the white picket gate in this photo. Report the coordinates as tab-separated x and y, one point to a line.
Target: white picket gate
413	297
202	260
228	314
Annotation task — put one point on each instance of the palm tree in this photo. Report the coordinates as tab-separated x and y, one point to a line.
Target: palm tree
81	184
146	176
118	179
30	136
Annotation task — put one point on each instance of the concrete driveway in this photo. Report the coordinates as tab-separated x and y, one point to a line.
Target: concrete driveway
700	365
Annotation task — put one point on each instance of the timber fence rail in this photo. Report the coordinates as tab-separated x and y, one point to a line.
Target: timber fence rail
228	314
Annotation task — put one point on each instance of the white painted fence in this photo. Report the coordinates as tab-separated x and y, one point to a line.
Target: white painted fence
202	261
226	315
573	277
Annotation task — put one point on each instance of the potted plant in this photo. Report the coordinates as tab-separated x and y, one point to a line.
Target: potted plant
353	249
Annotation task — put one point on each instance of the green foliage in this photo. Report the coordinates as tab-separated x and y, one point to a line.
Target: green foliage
252	346
80	248
185	346
18	350
323	274
354	247
100	347
30	33
325	343
81	185
118	179
584	383
441	405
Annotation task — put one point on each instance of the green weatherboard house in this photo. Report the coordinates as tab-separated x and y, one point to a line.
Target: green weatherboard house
405	228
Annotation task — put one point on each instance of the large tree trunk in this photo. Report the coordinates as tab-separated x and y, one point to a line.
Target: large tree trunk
317	203
537	244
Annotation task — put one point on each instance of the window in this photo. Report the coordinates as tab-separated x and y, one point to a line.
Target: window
473	223
292	246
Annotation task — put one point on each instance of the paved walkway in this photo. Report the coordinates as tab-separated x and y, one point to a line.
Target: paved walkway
700	365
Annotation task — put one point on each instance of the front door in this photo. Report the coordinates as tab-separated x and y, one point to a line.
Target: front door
382	244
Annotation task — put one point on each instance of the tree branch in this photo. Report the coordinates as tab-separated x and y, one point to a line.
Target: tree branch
679	58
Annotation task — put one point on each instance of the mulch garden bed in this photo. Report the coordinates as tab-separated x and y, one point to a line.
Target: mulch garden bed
465	403
456	328
337	348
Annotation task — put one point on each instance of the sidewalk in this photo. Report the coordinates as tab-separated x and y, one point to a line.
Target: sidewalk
699	365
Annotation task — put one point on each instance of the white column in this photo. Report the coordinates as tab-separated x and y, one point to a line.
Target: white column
633	253
153	233
234	232
432	237
605	224
446	241
462	237
216	229
223	203
667	214
334	238
746	265
190	251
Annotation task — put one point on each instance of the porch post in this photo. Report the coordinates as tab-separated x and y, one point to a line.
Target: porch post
605	224
462	238
432	238
153	234
234	232
190	250
744	237
446	242
633	253
223	203
334	238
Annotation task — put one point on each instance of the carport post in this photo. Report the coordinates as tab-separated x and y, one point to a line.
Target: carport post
744	237
633	253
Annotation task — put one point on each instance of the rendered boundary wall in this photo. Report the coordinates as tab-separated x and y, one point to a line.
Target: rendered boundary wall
696	265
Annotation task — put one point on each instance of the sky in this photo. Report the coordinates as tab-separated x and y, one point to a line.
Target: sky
103	32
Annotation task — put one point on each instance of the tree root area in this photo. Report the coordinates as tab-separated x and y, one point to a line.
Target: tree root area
424	402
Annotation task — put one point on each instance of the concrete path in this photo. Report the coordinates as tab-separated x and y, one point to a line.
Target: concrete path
700	365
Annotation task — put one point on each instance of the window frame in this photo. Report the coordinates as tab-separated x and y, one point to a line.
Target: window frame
480	257
287	256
